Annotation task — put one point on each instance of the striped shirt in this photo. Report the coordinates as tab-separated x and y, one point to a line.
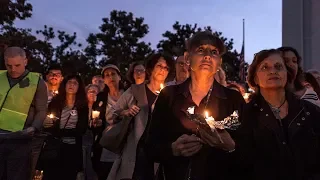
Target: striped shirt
72	114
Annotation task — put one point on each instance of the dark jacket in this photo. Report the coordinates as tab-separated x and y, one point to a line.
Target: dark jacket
169	122
269	153
100	105
77	132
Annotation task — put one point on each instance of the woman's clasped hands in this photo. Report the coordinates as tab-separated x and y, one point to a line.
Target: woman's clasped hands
188	145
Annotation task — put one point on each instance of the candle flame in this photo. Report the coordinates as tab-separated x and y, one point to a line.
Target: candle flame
51	116
206	114
246	95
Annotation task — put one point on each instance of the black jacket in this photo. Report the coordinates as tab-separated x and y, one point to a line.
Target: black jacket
169	122
99	105
265	150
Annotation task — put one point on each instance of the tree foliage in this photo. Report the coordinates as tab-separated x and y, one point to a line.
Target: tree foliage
10	10
119	40
174	43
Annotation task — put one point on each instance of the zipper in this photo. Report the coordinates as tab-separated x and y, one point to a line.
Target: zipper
296	117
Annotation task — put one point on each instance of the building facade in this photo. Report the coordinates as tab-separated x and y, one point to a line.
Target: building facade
301	30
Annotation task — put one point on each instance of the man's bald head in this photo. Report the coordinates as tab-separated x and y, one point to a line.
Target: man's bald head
15	61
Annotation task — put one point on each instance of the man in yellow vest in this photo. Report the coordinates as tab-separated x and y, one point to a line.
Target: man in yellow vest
23	108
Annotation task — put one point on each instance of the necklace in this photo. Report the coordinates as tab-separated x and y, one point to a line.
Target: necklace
277	109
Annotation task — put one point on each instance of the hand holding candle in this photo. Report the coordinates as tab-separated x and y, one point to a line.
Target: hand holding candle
52	117
95	114
55	93
210	121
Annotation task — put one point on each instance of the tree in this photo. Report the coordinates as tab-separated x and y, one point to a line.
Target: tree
174	43
120	40
10	10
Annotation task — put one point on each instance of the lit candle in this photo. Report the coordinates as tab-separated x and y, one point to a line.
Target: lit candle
246	96
55	92
161	87
51	116
95	114
210	120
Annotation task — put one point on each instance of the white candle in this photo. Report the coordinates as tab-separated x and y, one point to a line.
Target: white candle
95	114
246	96
161	87
210	120
55	92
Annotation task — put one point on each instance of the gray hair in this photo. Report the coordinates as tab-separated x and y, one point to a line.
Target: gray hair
12	52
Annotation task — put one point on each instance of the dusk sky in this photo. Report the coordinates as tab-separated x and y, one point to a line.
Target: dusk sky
263	18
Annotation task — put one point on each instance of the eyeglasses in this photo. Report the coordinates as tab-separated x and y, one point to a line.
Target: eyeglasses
182	64
58	75
139	71
166	68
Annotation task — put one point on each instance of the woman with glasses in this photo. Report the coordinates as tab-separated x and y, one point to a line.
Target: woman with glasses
182	71
136	73
186	148
137	103
280	133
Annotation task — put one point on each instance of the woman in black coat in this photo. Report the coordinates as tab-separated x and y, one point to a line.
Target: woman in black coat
68	122
183	147
279	137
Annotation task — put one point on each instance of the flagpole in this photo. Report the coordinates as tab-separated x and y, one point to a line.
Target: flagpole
243	36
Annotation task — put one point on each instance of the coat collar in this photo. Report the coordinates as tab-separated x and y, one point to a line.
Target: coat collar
266	117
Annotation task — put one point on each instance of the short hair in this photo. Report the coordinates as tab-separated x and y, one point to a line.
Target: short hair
299	77
130	72
205	37
12	52
54	67
153	60
258	58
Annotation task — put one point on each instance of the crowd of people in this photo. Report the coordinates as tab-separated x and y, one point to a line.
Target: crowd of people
56	127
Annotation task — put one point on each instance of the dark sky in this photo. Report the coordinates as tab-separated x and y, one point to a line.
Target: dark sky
263	18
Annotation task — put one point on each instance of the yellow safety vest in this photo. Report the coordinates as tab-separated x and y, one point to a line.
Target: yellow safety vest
15	102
